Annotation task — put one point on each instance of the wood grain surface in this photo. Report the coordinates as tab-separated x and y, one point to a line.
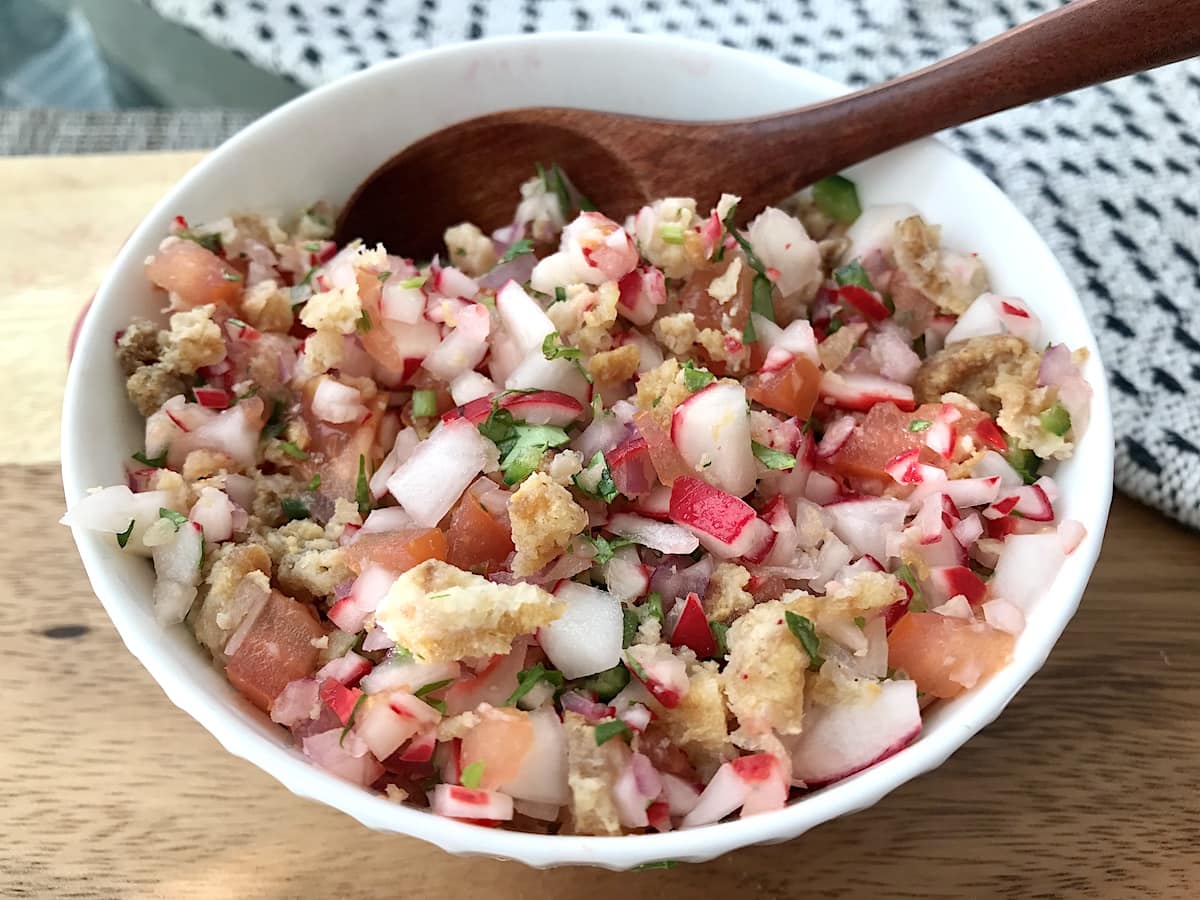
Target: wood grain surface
1087	786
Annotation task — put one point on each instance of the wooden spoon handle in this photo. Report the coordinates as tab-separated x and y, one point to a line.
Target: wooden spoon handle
1083	43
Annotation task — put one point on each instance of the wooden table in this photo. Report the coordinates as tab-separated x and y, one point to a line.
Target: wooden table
1087	786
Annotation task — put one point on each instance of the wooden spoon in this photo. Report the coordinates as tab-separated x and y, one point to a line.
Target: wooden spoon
470	171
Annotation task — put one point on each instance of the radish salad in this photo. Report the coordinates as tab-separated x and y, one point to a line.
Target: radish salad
589	526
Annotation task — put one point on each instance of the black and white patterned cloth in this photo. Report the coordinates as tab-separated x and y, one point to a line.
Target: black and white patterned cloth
1108	175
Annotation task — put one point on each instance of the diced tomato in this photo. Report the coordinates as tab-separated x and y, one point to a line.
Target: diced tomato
397	551
334	450
339	698
196	275
710	312
500	741
476	540
945	655
886	433
277	650
792	389
664	456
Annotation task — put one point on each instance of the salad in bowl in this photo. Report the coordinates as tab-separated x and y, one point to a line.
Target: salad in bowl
588	526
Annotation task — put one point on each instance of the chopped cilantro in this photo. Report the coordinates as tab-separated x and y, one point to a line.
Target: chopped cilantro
156	462
560	294
472	775
362	493
527	679
554	348
276	421
521	446
292	450
1056	420
293	508
696	377
853	273
671	233
835	325
860	622
607	684
607	547
630	620
606	731
350	718
916	603
919	425
439	705
384	275
415	282
1026	462
424	403
760	297
751	257
837	197
556	182
720	633
806	634
176	519
661	864
653	608
364	322
231	276
519	248
314	484
771	458
595	479
210	241
313	247
431	687
123	536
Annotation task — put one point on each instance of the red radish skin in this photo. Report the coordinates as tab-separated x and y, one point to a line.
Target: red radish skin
538	408
339	698
692	629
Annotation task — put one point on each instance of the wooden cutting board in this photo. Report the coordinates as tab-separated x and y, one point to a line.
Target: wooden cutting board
1087	786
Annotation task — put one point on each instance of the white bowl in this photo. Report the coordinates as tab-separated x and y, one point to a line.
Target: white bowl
320	146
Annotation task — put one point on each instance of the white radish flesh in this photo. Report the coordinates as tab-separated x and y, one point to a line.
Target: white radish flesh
586	638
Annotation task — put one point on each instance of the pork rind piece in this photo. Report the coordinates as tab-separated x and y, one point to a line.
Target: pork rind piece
591	773
544	517
470	250
308	564
698	724
442	614
974	367
238	575
727	597
764	679
950	280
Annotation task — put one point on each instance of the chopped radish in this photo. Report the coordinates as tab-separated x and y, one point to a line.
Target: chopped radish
691	629
842	739
562	375
346	757
112	509
1028	565
586	638
726	525
336	402
626	577
642	291
339	698
177	564
637	785
542	777
873	231
348	669
860	391
711	430
782	244
369	589
656	504
432	479
836	435
661	536
458	802
464	347
385	519
213	512
1029	501
470	386
663	674
1005	616
681	796
536	408
524	320
406	442
406	675
401	304
299	702
598	248
865	524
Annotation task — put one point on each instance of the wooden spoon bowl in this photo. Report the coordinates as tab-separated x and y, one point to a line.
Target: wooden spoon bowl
470	171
